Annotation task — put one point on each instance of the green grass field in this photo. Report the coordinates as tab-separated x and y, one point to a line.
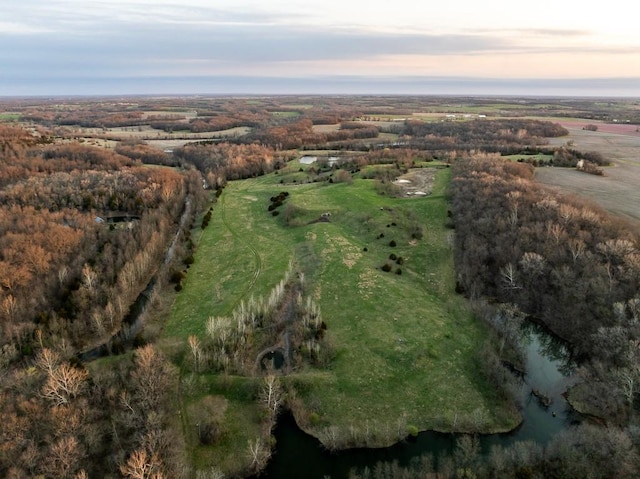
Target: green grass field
405	345
9	117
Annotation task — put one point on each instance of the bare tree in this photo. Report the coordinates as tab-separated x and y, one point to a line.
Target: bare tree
64	382
197	355
508	274
150	378
259	454
141	465
272	396
63	458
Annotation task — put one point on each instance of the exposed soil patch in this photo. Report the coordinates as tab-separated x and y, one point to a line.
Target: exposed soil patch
616	128
618	191
417	182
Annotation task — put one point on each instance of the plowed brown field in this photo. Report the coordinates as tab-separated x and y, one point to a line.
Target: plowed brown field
619	190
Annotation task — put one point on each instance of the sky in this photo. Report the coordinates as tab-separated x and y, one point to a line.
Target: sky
497	47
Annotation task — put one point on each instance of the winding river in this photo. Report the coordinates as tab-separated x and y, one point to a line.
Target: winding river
548	372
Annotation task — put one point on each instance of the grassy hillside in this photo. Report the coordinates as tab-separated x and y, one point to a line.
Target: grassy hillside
404	345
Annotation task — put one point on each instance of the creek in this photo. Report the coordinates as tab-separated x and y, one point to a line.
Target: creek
548	372
123	340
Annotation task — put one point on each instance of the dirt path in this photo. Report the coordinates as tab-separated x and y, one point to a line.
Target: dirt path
418	182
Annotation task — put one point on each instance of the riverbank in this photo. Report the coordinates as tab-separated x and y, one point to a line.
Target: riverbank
549	370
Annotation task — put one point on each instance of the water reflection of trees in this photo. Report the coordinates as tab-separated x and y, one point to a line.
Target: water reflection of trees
550	347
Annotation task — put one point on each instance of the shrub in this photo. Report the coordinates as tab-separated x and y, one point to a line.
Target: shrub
592	169
416	231
386	267
400	260
209	433
314	418
398	271
392	243
177	276
393	257
343	176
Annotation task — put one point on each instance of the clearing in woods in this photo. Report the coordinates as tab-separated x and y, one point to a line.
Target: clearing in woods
405	346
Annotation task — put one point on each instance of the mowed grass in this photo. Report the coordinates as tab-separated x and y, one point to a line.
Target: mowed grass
405	345
241	253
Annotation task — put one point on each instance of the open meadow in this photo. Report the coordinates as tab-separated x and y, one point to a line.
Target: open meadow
403	346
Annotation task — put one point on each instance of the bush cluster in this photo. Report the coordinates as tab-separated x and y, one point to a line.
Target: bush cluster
277	201
207	218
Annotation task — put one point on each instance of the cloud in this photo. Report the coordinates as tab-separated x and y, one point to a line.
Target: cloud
148	45
74	42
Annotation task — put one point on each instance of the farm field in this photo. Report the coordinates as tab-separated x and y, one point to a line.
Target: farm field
404	345
618	190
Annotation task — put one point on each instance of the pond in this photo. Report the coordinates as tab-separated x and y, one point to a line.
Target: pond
549	368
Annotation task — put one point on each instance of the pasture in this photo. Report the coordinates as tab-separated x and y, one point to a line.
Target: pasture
404	346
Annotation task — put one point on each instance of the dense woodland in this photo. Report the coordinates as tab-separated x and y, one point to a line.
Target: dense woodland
571	267
69	276
84	229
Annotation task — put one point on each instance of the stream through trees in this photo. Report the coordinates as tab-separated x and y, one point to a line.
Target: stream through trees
123	340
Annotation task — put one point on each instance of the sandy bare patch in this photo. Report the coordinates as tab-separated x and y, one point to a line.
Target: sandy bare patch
250	198
417	182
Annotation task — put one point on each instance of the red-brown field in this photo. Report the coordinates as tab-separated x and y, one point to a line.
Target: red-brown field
615	128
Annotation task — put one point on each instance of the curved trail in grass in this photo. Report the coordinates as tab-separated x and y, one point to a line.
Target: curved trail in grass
184	414
254	251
